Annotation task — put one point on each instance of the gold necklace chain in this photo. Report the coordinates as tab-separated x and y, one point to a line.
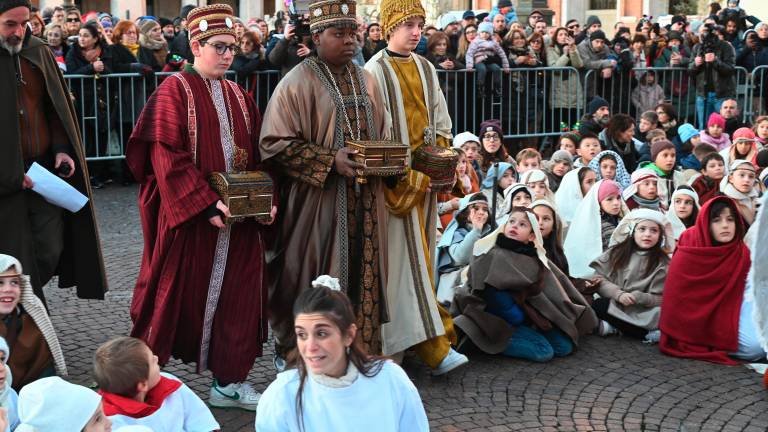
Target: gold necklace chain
341	98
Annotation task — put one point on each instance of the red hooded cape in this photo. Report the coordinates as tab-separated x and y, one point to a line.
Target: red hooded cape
704	291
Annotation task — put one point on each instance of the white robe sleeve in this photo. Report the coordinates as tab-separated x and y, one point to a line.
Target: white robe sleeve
197	416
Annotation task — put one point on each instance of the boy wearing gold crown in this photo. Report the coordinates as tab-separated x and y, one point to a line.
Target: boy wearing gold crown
329	223
199	293
413	97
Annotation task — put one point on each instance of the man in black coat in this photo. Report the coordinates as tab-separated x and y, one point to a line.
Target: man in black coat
180	44
597	116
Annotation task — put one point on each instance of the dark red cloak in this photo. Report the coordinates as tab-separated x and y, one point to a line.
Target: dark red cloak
170	296
704	291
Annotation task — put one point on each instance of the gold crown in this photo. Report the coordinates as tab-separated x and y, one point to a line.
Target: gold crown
331	13
395	12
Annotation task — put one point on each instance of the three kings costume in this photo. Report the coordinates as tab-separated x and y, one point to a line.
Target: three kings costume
328	224
411	92
199	293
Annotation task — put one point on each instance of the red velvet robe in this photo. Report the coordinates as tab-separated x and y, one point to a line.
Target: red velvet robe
172	289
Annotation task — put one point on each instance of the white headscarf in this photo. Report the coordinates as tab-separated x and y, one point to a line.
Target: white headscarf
638	176
537	175
486	243
52	404
726	187
584	241
758	275
447	238
5	392
627	227
568	195
677	225
502	214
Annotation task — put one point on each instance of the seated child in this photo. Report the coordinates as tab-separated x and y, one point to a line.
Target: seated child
609	165
472	222
447	203
643	192
552	233
706	313
689	138
685	208
649	121
645	149
707	185
760	128
588	148
9	399
663	161
569	141
517	195
633	273
744	147
528	159
715	134
485	54
498	178
135	392
492	149
538	182
575	186
740	186
52	404
516	302
469	143
595	219
25	322
556	167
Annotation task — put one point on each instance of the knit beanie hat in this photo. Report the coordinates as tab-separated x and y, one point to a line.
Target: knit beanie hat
6	5
716	119
486	27
562	156
744	134
52	404
147	27
165	21
504	3
686	131
598	35
673	35
592	20
490	126
608	188
465	137
659	146
595	104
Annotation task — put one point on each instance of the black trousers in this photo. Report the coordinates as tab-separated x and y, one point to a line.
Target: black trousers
46	222
600	307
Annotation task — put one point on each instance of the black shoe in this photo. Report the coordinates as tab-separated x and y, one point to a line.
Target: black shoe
96	183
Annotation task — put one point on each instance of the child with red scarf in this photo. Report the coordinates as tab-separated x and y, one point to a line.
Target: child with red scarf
707	185
705	314
134	392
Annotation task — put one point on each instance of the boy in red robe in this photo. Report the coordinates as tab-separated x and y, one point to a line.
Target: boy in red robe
199	294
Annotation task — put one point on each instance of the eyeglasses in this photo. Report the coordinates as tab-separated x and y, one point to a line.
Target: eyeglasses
470	31
574	26
492	137
222	48
73	19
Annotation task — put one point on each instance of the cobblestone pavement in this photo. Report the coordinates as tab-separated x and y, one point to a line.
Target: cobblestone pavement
608	384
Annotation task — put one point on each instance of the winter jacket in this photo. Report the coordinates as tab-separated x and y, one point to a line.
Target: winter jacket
646	97
565	87
594	60
479	51
720	74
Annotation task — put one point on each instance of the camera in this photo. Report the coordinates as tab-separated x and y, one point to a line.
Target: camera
299	14
709	39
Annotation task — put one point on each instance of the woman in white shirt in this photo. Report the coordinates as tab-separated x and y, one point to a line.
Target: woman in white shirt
337	386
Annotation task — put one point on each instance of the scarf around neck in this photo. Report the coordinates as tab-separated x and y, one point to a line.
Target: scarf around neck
121	405
346	380
513	245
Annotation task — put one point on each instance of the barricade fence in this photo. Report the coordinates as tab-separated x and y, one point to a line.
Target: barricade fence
532	103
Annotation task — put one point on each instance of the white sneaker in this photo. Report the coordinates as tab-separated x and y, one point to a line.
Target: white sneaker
450	362
652	337
236	395
606	329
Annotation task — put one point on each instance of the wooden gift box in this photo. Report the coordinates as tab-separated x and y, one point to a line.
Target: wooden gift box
381	158
439	163
246	193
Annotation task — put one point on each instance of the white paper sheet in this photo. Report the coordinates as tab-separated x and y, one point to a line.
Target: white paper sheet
55	190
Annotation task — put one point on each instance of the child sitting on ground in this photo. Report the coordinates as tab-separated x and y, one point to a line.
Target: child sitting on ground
515	302
608	165
664	158
9	399
569	141
469	143
485	54
500	176
651	137
715	134
689	138
643	192
447	203
684	210
52	405
25	323
740	186
744	147
557	167
538	182
135	392
707	185
649	121
528	159
588	148
633	273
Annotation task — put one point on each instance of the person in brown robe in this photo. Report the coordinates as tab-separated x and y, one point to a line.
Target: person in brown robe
41	126
329	224
199	293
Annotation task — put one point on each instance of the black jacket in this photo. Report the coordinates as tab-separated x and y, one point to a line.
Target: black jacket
180	46
720	75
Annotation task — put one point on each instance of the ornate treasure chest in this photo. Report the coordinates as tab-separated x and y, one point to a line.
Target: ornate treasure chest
246	193
381	158
439	163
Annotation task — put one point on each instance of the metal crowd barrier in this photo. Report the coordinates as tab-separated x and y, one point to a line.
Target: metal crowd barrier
534	102
679	87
